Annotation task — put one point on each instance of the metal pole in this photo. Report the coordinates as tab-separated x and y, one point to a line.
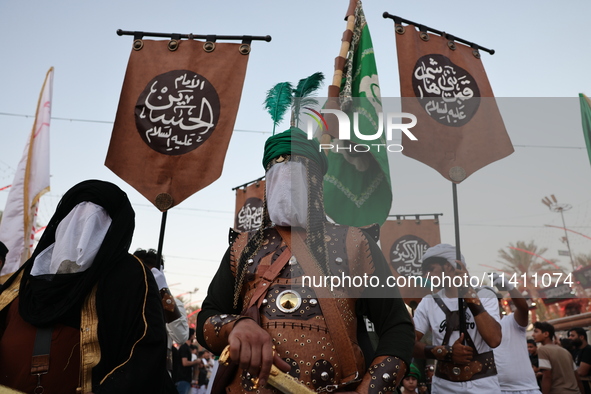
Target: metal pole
458	256
161	239
570	253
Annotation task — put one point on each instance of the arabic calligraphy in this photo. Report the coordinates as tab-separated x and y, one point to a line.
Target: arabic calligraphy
177	112
406	254
250	216
447	92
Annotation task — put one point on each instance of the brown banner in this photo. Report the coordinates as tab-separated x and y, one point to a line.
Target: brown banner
403	243
175	118
443	83
249	207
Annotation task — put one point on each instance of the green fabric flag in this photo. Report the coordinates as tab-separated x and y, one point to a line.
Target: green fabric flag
586	118
357	188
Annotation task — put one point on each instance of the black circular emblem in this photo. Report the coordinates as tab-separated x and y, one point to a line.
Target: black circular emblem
250	216
406	254
447	92
177	112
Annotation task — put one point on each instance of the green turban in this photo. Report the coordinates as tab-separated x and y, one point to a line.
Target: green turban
295	142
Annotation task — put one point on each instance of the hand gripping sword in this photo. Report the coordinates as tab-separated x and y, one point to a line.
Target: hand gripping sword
282	381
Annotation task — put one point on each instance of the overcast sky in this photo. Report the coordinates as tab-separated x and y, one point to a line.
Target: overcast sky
541	53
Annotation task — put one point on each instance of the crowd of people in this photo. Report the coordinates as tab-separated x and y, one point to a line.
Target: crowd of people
83	315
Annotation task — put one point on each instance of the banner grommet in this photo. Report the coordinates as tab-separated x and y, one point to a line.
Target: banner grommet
173	45
400	29
476	53
451	45
424	36
244	49
138	44
209	46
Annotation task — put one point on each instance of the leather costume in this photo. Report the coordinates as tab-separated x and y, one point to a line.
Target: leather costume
292	314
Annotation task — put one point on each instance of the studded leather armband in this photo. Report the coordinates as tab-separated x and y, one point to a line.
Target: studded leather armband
384	375
442	353
473	302
171	310
216	330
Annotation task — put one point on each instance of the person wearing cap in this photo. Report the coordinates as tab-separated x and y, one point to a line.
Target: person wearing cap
461	368
258	304
82	315
511	356
411	381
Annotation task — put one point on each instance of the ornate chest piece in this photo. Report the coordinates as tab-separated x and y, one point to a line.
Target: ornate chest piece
288	301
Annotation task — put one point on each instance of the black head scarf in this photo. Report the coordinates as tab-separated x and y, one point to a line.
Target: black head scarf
50	299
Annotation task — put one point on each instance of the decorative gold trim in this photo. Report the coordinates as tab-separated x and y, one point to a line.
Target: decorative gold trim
11	292
143	318
90	350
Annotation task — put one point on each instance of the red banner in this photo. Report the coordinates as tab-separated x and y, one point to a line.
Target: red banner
403	243
176	116
459	127
249	207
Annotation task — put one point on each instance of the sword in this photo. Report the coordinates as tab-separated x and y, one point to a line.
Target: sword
282	381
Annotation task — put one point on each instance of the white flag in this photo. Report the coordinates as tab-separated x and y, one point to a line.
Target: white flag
30	182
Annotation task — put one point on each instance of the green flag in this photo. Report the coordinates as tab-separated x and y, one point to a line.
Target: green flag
357	189
586	118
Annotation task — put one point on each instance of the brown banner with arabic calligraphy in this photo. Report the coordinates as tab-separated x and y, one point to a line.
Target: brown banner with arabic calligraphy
459	127
175	118
249	207
403	243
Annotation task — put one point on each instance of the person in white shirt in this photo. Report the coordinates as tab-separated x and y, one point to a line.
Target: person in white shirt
512	358
468	368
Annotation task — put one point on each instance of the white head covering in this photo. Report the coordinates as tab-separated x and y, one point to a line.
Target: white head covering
446	251
78	238
287	194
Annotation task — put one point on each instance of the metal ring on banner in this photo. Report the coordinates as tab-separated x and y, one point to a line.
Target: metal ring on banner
399	29
475	51
138	43
450	43
423	33
209	45
244	48
175	41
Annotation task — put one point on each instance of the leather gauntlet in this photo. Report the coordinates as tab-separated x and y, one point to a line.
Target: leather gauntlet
442	353
171	310
383	376
216	330
473	302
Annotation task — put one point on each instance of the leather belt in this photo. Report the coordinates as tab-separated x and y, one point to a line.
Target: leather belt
481	366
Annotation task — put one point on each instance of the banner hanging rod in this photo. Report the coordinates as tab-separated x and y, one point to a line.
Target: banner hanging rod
248	183
415	215
399	20
190	36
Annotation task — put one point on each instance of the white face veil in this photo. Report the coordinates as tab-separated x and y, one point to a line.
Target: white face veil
78	238
287	194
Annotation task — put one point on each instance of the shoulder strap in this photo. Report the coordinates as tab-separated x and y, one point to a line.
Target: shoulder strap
448	318
328	305
268	277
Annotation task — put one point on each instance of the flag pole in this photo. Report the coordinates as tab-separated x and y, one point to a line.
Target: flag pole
163	202
161	238
339	64
458	254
